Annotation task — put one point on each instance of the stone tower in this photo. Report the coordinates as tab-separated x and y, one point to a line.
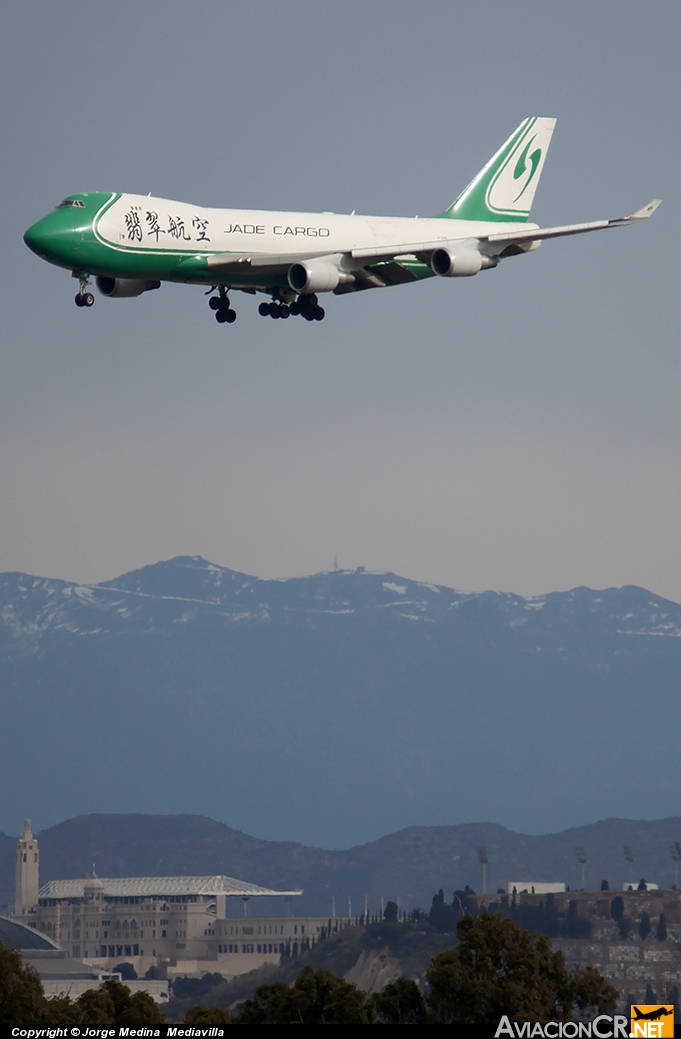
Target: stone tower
26	890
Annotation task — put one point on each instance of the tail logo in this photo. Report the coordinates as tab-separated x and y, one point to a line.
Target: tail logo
521	165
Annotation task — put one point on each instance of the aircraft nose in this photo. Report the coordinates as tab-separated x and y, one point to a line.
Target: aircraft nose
38	236
55	238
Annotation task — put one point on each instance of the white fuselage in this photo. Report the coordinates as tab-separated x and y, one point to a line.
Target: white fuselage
153	225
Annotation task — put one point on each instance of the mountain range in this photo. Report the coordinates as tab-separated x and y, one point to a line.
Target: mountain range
408	866
336	708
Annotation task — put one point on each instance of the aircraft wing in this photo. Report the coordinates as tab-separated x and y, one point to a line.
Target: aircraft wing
538	234
421	251
523	234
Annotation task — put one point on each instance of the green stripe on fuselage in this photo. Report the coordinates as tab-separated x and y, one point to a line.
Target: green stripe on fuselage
67	237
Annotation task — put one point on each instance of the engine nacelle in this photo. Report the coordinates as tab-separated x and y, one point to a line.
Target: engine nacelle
313	276
120	287
460	264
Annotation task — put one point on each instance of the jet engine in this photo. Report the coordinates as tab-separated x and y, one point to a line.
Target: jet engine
314	276
462	263
120	287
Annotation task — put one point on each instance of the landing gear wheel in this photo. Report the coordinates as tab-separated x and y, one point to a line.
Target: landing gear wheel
78	300
318	313
264	309
294	308
88	300
220	305
285	311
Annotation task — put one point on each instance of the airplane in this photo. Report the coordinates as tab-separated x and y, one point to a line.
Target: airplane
131	243
653	1015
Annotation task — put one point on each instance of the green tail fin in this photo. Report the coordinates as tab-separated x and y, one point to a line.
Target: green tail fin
504	189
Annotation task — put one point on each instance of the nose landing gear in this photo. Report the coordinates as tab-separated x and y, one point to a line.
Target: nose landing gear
83	298
220	304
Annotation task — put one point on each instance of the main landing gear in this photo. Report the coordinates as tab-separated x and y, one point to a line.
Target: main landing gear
274	309
220	304
306	305
83	298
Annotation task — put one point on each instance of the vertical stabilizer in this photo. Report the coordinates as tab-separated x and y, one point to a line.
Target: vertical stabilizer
504	189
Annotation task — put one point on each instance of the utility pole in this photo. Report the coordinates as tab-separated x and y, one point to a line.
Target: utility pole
675	852
483	860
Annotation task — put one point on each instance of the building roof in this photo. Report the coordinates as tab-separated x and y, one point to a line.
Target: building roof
19	936
163	887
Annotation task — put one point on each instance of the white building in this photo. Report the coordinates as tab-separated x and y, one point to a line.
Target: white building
178	924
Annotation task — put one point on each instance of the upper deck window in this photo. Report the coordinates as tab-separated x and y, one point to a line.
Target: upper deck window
71	202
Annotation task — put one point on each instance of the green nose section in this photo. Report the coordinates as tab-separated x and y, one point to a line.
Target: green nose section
37	238
56	238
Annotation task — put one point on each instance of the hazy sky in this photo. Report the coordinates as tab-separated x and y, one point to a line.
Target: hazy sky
520	430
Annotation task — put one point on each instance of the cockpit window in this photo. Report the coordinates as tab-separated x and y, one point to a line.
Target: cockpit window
72	202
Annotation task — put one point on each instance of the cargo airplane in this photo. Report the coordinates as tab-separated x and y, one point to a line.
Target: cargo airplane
131	243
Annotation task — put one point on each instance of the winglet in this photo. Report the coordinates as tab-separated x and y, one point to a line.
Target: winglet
642	214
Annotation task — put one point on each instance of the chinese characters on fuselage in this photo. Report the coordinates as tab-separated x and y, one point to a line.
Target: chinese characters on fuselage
176	227
179	229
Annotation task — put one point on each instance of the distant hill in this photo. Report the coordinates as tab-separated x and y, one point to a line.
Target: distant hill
334	708
409	865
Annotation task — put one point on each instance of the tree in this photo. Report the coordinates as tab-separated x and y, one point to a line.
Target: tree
650	995
126	971
624	927
642	886
95	1007
499	969
200	1015
22	1000
139	1009
61	1010
400	1003
661	932
317	997
576	926
644	927
443	917
605	886
617	908
551	917
390	913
